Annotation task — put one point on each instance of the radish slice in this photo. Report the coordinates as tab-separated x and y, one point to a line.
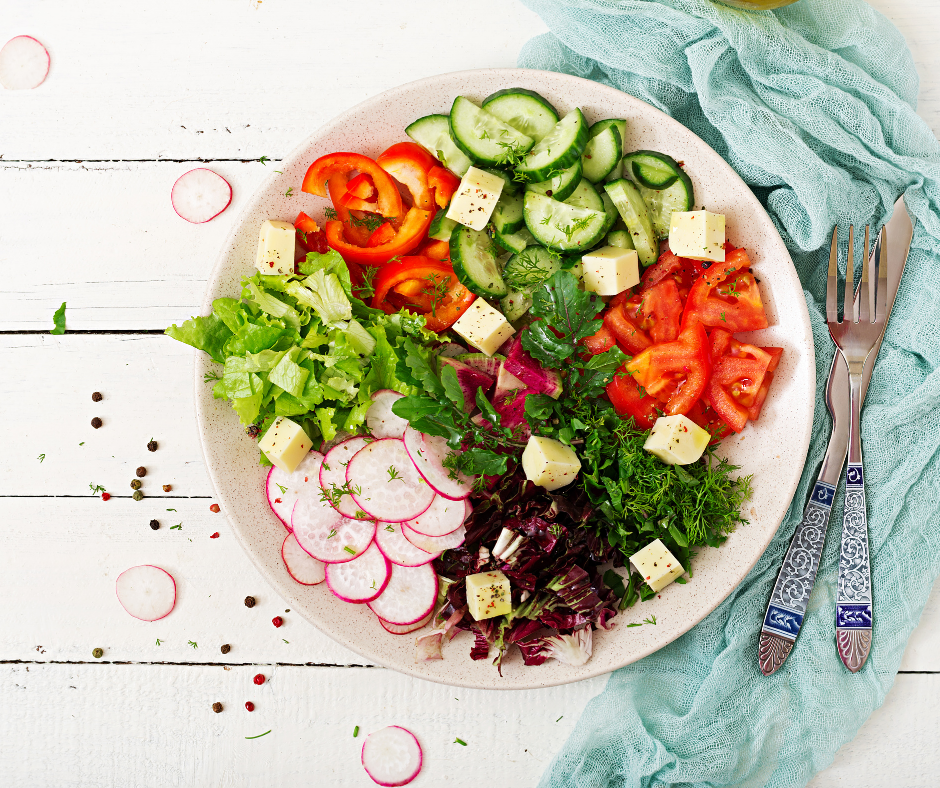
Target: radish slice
409	596
452	349
362	579
399	629
24	63
200	195
392	756
428	453
442	517
380	420
436	544
386	484
391	541
340	436
284	488
146	592
333	474
325	534
301	566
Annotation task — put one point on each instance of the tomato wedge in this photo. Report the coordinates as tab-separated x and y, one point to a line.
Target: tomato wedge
628	400
321	172
311	237
630	337
423	285
411	233
409	164
683	271
600	342
726	296
444	183
737	379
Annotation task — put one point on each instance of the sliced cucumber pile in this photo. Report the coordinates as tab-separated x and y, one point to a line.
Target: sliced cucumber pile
432	132
524	110
483	137
635	215
559	149
563	227
441	227
603	151
561	185
474	260
523	273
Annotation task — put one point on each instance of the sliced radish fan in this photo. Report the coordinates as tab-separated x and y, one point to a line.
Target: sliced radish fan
409	596
362	579
436	544
428	453
404	629
442	517
333	474
200	195
301	566
146	592
381	421
392	756
385	483
397	549
325	534
24	63
284	488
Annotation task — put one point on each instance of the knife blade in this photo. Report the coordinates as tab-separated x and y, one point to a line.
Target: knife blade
783	618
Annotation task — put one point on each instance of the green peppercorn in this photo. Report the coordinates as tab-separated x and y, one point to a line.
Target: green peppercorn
98	653
135	484
138	495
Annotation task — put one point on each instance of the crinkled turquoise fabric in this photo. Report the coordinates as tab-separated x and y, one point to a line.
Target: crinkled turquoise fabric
813	105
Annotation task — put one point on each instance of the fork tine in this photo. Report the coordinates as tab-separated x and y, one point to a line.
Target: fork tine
849	309
832	282
881	313
865	308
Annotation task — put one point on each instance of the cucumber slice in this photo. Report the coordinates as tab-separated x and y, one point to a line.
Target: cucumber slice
524	110
515	304
560	186
474	260
661	203
602	154
651	169
432	132
631	207
509	185
618	123
441	227
613	215
483	137
585	196
619	238
558	150
530	268
516	242
507	215
560	226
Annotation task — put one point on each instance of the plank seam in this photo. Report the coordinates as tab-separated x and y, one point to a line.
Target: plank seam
185	664
135	161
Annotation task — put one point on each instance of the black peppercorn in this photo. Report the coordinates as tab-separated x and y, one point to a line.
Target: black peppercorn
96	422
96	397
138	495
135	484
152	446
155	524
226	648
98	653
249	601
140	472
217	707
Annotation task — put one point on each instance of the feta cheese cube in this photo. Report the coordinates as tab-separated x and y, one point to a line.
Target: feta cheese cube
475	198
276	244
698	235
610	270
484	327
549	463
656	565
285	444
488	595
677	440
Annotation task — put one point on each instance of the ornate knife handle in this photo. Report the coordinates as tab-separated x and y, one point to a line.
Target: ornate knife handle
853	604
787	607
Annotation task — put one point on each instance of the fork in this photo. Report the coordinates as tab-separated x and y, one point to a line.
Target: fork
855	337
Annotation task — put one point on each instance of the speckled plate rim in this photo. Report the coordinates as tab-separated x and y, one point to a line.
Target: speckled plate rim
787	417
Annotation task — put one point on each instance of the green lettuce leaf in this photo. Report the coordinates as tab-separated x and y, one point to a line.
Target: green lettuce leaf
203	333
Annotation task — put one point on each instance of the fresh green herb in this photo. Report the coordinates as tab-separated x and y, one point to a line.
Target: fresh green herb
460	742
192	643
58	320
390	528
95	488
331	534
41	457
286	641
211	377
289	192
355	731
159	641
393	474
723	318
650	620
282	488
560	718
370	221
279	172
436	289
264	160
82	443
177	527
330	213
350	550
361	515
571	229
171	510
367	289
259	735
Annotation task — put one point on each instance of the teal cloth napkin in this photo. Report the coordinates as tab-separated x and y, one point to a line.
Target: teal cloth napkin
814	105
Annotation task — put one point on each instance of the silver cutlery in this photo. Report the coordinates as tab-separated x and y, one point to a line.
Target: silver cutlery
785	612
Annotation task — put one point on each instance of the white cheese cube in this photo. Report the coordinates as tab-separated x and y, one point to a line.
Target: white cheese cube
610	270
285	444
488	595
698	235
656	565
677	440
276	243
475	198
484	327
549	463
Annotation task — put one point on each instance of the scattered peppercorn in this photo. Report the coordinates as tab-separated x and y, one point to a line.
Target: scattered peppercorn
215	535
249	705
138	495
152	446
96	422
226	648
105	496
215	508
259	679
140	472
98	653
135	484
96	397
277	621
252	430
217	707
249	601
155	524
167	487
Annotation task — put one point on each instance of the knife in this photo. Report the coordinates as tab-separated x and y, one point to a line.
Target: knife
783	618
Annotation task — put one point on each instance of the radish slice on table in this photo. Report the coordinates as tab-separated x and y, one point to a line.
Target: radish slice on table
200	195
404	629
386	484
409	596
333	474
380	420
442	517
146	592
391	541
392	756
301	566
284	488
362	579
24	63
325	534
437	544
428	453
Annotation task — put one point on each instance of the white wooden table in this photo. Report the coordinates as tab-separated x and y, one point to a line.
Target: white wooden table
137	95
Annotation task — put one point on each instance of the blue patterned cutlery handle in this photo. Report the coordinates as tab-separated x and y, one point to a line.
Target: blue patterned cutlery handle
787	606
854	602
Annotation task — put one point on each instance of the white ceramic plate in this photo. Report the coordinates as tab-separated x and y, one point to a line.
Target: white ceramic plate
773	450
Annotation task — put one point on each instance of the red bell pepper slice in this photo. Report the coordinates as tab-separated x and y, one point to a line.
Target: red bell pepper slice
628	400
354	230
412	231
423	285
382	235
726	296
444	183
311	237
409	164
362	187
436	250
320	173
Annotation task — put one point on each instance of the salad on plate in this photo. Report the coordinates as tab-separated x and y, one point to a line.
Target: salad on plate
490	381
